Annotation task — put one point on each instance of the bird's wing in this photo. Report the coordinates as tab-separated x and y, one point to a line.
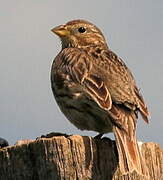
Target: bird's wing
110	82
122	86
79	66
97	89
106	79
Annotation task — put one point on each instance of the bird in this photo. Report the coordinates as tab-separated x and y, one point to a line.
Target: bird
96	91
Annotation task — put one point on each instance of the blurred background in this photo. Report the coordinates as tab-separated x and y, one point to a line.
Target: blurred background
133	29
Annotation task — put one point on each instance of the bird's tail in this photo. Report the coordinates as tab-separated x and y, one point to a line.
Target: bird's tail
130	158
129	154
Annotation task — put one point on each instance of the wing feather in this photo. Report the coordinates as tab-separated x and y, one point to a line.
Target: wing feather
98	91
106	79
79	66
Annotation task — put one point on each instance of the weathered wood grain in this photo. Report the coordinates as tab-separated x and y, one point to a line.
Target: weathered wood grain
73	158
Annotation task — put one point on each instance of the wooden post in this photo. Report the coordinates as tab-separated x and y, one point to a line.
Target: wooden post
73	158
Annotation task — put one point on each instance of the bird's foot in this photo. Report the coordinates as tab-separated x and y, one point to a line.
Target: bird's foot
99	136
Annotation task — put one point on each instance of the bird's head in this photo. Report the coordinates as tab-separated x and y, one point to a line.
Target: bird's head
79	33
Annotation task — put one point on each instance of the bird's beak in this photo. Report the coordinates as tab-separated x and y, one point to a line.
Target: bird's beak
61	31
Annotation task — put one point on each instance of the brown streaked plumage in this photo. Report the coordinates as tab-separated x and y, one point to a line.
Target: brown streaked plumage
96	91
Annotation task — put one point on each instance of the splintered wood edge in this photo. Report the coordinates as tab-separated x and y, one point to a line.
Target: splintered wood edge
142	145
152	152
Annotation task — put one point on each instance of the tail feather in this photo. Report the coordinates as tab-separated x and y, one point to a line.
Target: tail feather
129	154
130	158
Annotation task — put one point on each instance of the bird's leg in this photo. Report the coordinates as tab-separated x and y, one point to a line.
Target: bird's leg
99	136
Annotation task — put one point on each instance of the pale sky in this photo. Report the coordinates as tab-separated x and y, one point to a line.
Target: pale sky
133	29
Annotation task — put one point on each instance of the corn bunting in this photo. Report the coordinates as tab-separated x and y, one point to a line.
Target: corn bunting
96	91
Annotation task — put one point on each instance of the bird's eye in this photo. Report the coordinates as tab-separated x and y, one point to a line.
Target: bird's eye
81	29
